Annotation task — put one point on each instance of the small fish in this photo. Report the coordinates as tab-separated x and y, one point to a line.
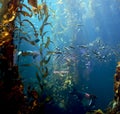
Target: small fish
72	47
102	47
28	53
54	52
97	53
79	25
82	46
66	48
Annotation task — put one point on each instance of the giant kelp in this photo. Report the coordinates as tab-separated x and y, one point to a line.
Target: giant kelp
11	87
40	40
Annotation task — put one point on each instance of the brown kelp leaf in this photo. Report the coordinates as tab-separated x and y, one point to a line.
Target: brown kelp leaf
38	77
50	52
44	23
26	39
44	33
48	24
41	29
41	49
45	8
48	42
44	61
39	80
24	13
23	5
26	20
45	72
46	18
21	31
33	3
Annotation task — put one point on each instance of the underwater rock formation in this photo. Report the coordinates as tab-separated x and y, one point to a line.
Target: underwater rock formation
114	105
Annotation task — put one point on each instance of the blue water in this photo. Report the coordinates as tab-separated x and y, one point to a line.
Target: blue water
91	28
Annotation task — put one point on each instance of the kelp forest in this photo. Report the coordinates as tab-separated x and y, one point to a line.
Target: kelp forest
12	24
17	30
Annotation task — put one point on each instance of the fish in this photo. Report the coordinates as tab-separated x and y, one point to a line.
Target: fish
66	48
72	47
54	53
83	46
28	53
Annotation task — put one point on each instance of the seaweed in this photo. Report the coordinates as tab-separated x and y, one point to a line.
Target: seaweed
42	42
12	97
11	85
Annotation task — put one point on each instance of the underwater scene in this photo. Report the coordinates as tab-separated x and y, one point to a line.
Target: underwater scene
60	56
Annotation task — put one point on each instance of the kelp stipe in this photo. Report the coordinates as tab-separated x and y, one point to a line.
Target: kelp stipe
11	87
